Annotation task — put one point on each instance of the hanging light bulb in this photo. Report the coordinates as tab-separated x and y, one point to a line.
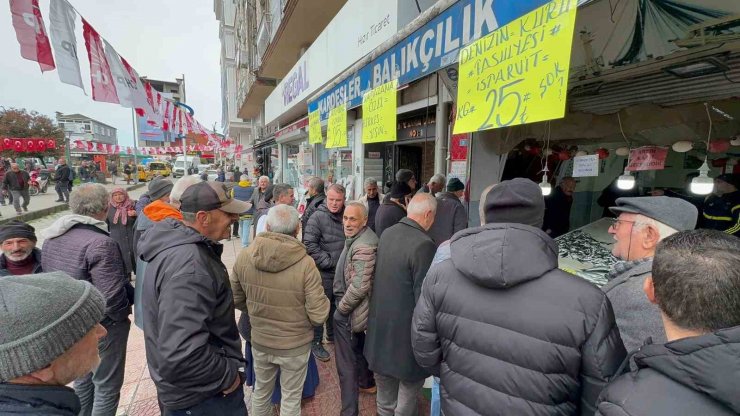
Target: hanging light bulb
545	186
626	181
702	184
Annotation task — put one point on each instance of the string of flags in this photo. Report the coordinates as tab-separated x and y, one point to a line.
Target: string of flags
112	78
110	149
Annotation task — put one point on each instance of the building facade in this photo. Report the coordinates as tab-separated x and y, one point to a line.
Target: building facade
80	127
149	136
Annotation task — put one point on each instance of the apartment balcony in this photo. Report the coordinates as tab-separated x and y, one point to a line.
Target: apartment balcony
288	26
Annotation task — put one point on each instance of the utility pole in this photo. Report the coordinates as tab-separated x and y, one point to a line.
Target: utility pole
136	140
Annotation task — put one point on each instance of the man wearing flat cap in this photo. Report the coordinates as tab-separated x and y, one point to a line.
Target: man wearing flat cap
641	223
20	255
49	334
192	343
722	208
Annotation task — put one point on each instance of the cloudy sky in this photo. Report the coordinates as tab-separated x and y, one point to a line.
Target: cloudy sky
161	39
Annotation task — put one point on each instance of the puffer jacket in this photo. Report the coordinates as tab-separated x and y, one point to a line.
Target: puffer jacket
508	333
192	344
79	246
312	204
353	293
324	240
278	285
686	377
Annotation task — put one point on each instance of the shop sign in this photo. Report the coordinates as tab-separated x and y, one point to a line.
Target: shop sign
295	84
647	158
292	127
519	73
373	155
584	166
336	129
459	146
379	114
428	49
314	128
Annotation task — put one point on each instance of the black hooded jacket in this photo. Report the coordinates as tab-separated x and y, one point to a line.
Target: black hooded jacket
508	333
697	376
192	343
324	239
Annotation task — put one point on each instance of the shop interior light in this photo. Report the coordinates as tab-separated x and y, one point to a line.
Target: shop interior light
702	184
626	181
545	186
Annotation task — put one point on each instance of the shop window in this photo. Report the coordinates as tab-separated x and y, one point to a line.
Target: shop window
298	165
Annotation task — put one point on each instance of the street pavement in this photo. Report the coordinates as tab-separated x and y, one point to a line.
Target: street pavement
139	395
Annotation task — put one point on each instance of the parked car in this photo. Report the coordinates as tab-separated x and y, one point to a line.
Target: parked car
145	174
159	168
212	174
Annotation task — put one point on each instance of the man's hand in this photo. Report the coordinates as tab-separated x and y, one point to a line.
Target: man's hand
235	385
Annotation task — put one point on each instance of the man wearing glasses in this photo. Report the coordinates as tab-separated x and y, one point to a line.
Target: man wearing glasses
641	223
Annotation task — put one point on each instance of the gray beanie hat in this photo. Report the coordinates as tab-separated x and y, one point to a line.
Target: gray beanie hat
159	187
518	201
41	317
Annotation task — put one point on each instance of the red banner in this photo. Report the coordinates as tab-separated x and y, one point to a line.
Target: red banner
103	88
31	145
31	33
647	158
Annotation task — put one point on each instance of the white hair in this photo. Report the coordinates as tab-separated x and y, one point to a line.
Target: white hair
283	219
438	179
265	178
664	231
420	204
180	186
370	181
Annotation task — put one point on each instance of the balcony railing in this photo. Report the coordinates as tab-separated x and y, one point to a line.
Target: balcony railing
264	36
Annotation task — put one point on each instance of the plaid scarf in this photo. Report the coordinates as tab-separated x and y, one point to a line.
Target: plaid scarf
623	267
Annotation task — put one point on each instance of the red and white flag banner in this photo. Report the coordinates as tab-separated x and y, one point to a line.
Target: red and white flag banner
122	80
31	33
100	75
62	17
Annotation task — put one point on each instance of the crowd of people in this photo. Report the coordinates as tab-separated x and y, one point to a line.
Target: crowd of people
399	285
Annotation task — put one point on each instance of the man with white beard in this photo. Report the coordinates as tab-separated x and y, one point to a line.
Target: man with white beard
20	255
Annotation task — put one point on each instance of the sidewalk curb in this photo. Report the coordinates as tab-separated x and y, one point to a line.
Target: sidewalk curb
34	215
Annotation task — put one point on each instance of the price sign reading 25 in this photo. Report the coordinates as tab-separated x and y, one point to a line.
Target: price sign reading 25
518	74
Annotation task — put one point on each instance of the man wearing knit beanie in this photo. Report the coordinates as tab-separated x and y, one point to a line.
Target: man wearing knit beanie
451	215
49	332
19	252
501	291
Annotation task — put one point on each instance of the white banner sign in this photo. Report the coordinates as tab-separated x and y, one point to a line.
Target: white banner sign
585	166
64	43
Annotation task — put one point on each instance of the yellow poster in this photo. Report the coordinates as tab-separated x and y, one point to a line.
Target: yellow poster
336	129
314	128
379	114
519	73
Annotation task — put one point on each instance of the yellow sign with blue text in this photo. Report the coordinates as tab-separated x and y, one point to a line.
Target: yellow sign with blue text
336	128
519	73
379	107
314	128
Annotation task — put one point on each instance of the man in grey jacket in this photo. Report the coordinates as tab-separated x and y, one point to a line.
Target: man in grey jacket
641	224
192	343
696	284
79	245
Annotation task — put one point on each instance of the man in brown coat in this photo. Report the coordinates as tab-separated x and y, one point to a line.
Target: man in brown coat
353	280
277	283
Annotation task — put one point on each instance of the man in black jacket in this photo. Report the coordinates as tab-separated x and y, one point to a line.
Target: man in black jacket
192	343
324	239
62	177
17	183
695	283
404	255
557	208
316	197
505	329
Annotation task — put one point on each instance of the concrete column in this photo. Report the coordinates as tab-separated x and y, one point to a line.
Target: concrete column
442	124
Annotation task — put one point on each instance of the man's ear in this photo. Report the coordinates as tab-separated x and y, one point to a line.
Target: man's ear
202	217
652	238
649	290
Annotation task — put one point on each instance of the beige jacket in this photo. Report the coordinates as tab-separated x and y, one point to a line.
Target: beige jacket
277	283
